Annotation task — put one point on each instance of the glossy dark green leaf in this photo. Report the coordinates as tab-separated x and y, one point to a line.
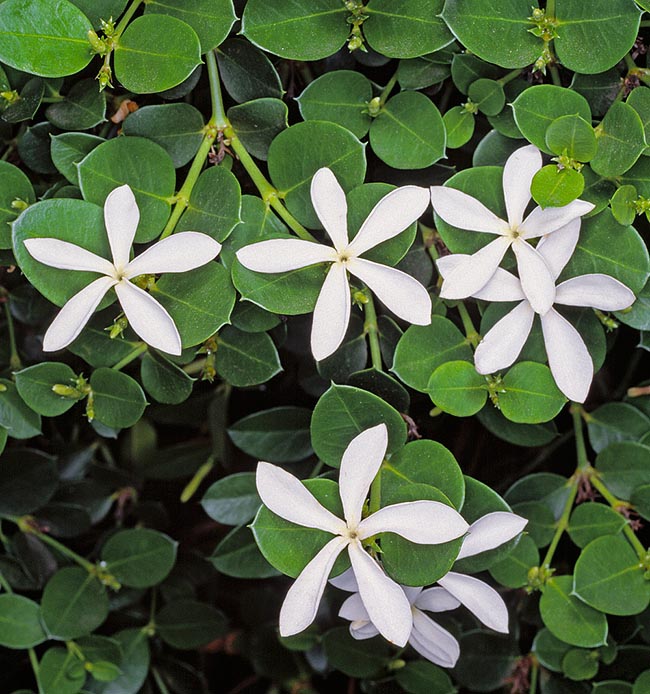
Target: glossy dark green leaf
639	100
232	500
35	383
96	10
622	204
68	149
459	124
422	677
613	422
487	95
624	466
27	103
163	380
621	140
238	556
258	122
572	136
531	395
14	186
118	400
28	480
590	521
20	421
20	622
551	489
134	664
553	186
455	387
84	107
61	672
246	359
513	570
467	68
579	664
541	523
352	657
425	71
518	434
550	650
486	659
187	624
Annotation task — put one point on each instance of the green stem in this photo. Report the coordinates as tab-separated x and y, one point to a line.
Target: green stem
471	333
195	482
371	329
316	469
14	359
131	356
581	449
36	669
388	89
218	113
5	584
555	76
534	675
629	62
159	681
550	8
126	18
562	524
7	153
512	75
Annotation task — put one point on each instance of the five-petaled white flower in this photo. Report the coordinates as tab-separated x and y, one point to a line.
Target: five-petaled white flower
177	253
568	357
400	292
422	522
429	639
465	212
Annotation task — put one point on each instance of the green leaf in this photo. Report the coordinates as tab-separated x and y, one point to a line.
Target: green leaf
475	23
143	165
589	521
84	107
278	435
258	122
613	422
553	186
612	28
547	487
640	499
246	359
622	204
537	107
20	622
253	319
406	28
44	37
61	672
623	467
422	677
572	136
118	400
513	570
455	387
288	29
459	125
68	149
549	650
383	385
518	434
600	90
568	618
353	657
639	100
96	10
139	557
541	523
163	380
299	151
467	68
187	624
409	132
487	95
232	500
210	19
20	421
344	412
134	664
238	556
35	383
340	96
609	577
531	395
156	52
425	71
580	664
28	480
486	659
621	141
14	185
74	603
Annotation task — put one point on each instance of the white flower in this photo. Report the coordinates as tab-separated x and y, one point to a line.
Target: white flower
429	639
422	522
400	292
568	357
465	212
177	253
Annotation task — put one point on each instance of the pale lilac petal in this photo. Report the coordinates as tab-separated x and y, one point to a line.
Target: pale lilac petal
518	174
391	215
503	286
363	630
504	341
595	291
387	606
331	313
399	292
475	271
282	255
411	593
436	599
433	642
178	253
301	604
557	248
359	467
545	221
423	522
328	199
490	531
465	212
535	276
568	356
121	217
354	609
288	498
71	319
479	598
346	581
148	318
67	256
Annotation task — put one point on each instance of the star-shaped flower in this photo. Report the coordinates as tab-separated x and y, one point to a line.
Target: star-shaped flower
465	212
400	292
568	357
427	637
422	522
177	253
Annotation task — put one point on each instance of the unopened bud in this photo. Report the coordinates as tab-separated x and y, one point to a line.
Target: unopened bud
66	391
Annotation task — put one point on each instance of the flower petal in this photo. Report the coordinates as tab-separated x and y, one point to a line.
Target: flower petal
363	630
557	248
121	217
178	253
148	318
479	598
328	199
465	212
301	604
71	319
331	313
436	599
359	467
490	531
423	522
518	174
67	256
504	341
595	291
503	286
354	609
346	581
545	221
568	357
535	276
282	255
475	271
390	216
433	642
399	292
387	606
288	498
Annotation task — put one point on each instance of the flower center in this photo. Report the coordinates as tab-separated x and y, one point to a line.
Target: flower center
514	232
344	257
